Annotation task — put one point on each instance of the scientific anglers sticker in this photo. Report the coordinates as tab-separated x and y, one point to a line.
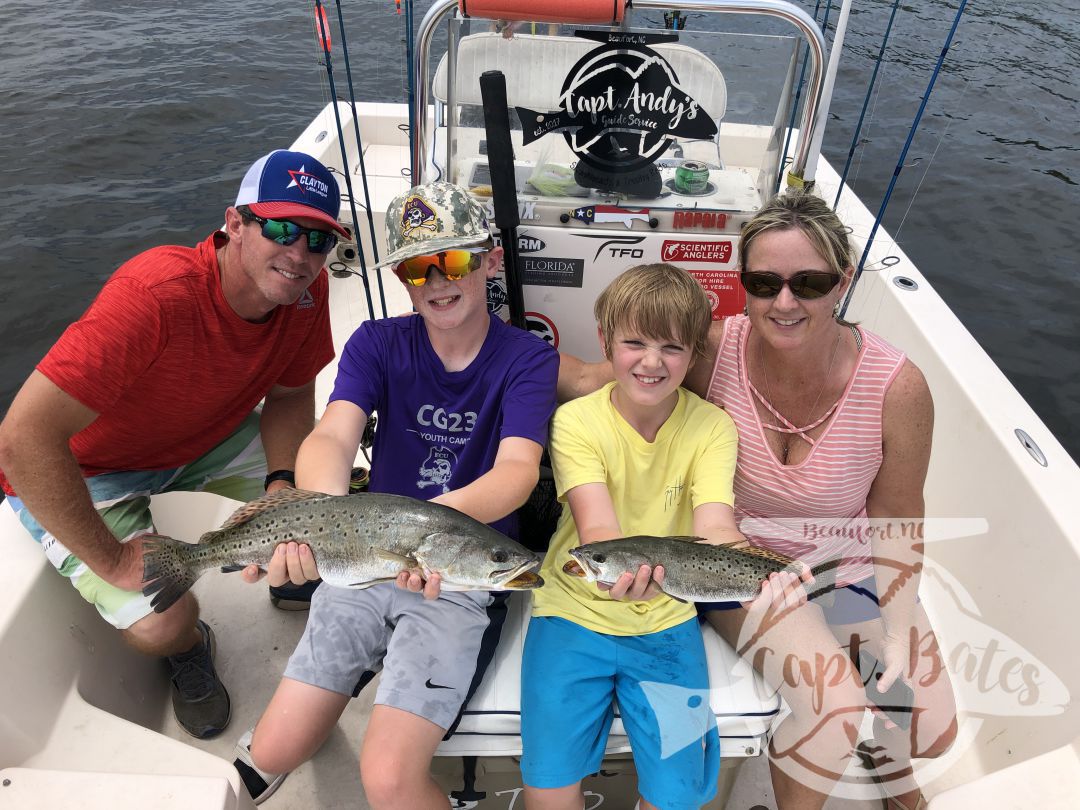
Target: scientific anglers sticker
621	105
678	250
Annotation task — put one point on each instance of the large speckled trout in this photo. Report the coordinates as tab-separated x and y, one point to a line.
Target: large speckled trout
357	541
694	571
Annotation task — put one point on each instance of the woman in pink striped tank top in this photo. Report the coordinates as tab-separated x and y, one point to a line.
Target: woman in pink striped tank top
834	442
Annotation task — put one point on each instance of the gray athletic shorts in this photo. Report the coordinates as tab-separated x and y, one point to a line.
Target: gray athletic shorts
432	653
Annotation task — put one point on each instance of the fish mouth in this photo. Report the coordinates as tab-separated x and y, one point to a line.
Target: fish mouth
514	578
574	569
581	565
525	581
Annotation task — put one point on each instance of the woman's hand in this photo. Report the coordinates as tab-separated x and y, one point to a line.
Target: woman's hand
781	592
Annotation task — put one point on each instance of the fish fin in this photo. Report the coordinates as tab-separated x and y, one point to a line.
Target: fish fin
167	574
259	505
676	598
232	569
765	554
391	556
359	586
680	538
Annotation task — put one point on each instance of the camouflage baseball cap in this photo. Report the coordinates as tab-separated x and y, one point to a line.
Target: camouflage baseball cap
431	218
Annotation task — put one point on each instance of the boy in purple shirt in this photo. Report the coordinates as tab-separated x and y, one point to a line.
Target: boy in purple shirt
463	403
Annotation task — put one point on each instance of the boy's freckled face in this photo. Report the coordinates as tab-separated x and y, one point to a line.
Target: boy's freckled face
648	370
449	304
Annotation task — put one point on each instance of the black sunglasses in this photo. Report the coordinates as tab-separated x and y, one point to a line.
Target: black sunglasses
806	284
285	233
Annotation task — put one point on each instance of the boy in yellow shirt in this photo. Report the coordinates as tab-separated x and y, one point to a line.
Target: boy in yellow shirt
641	456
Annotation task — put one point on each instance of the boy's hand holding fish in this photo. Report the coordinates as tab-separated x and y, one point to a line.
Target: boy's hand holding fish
294	562
693	570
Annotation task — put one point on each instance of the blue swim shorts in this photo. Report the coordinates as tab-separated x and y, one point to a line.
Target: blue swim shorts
571	678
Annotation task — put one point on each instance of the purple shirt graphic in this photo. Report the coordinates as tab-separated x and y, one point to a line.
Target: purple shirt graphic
440	430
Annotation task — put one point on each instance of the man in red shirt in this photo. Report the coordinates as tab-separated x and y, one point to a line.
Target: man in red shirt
156	388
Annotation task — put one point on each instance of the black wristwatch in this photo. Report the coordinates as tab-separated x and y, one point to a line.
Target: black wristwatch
279	475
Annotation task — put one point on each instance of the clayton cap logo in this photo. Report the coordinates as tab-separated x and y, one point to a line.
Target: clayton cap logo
307	182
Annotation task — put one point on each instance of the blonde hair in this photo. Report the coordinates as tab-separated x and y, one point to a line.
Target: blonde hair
811	215
655	299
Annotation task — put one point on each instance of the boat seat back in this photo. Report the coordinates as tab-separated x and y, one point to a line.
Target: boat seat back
491	723
535	66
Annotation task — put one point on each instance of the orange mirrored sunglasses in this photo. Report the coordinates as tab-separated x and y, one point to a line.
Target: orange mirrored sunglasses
454	264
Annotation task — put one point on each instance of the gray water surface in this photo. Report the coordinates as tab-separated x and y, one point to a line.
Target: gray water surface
126	125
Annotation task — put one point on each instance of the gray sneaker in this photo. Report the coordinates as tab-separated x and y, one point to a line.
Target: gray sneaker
260	784
200	702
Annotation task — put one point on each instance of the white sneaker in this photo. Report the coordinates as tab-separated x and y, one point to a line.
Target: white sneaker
260	784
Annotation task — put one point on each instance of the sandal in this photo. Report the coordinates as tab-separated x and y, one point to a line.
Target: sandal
867	752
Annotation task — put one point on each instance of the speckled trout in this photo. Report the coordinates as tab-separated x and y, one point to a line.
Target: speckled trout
694	571
357	541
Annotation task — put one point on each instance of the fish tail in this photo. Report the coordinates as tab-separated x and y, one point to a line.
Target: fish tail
167	574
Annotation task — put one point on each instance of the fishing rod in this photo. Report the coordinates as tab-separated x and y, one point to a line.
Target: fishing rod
500	153
322	28
903	155
363	168
411	84
799	90
866	103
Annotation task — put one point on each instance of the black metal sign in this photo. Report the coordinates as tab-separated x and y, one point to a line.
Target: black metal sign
620	108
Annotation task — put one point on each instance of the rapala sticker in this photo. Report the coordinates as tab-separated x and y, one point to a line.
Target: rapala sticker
543	327
706	220
676	251
723	289
550	271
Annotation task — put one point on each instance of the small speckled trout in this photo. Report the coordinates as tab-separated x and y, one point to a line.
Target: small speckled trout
694	571
357	540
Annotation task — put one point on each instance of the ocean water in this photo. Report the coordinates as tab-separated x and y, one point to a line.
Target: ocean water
126	125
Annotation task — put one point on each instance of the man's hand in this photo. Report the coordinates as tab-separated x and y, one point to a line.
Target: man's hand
292	562
127	571
414	581
639	587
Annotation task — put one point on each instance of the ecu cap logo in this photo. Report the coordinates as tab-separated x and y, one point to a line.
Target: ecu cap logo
418	214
